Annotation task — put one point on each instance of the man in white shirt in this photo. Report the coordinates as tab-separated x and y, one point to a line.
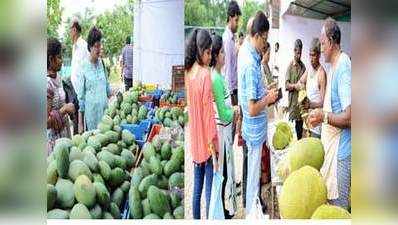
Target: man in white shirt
79	51
79	55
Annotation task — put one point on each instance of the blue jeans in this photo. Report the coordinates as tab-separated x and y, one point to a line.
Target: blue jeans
201	171
253	174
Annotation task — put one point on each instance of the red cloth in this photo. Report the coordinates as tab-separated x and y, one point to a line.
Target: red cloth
201	114
265	165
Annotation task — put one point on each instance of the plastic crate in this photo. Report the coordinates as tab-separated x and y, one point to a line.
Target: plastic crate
145	98
177	78
154	131
149	105
138	131
146	125
156	94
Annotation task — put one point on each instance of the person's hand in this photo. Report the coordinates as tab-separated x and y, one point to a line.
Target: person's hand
315	117
215	165
67	109
70	108
271	85
290	87
238	124
271	96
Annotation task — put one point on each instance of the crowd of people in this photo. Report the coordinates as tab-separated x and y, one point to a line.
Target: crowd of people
76	103
231	92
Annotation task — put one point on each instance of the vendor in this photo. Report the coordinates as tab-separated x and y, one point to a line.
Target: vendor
336	117
314	82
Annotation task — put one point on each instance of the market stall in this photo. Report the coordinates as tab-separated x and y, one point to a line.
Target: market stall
131	166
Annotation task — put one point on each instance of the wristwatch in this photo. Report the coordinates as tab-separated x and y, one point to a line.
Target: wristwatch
325	117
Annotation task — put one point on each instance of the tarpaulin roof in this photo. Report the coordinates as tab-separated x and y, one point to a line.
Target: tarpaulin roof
321	9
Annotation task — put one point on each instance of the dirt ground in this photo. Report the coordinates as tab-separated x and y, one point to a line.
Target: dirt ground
240	214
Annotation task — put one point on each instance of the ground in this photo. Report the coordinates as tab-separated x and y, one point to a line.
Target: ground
189	183
238	171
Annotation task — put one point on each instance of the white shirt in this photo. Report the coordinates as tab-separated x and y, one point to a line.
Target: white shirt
79	54
313	91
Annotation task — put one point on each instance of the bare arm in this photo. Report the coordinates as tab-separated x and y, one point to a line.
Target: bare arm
341	120
255	107
322	89
301	83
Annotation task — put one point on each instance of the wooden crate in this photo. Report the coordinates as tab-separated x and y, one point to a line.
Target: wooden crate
177	78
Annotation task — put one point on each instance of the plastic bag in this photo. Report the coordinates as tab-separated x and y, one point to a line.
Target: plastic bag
256	212
216	210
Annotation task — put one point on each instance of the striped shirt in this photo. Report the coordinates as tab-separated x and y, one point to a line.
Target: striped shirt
230	58
251	87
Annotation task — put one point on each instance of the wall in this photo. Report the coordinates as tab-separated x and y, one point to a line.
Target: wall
293	27
158	40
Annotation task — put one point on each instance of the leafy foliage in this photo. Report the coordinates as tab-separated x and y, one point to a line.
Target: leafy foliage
213	13
116	24
54	13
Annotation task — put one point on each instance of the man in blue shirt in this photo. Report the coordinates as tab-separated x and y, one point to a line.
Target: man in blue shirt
336	117
254	98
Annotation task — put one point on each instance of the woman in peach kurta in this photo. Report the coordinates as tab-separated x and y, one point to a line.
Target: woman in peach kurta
202	124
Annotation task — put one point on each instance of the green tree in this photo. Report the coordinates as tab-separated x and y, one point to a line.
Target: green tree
54	13
249	9
213	13
115	25
205	13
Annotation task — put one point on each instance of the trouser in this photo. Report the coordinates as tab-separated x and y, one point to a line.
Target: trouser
253	175
234	97
265	165
128	83
228	169
244	173
75	122
343	183
299	129
202	171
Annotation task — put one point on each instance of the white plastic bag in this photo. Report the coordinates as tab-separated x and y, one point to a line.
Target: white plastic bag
256	212
216	210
